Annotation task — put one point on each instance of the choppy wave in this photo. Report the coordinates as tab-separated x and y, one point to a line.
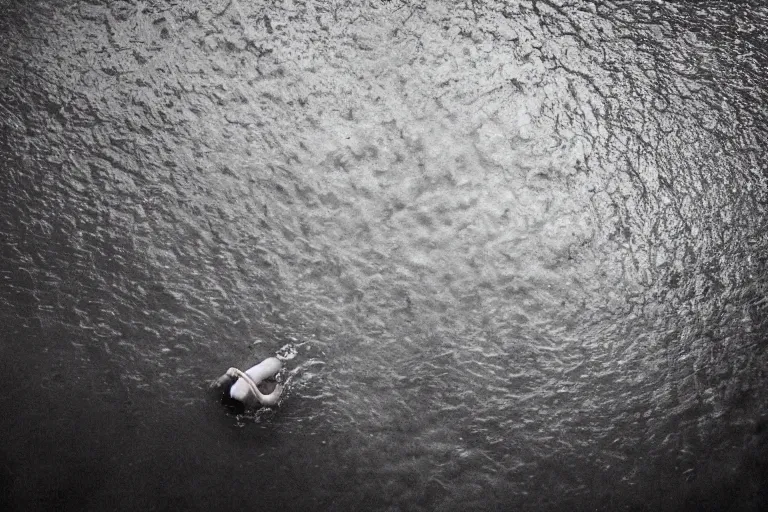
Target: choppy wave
518	246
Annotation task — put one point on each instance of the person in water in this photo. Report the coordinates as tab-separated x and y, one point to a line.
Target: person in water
255	387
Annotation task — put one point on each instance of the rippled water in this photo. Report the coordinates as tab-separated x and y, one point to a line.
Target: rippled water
519	248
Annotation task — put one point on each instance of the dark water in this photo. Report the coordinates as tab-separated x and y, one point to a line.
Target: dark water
518	247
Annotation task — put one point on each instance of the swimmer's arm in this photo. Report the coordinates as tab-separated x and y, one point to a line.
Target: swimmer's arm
223	381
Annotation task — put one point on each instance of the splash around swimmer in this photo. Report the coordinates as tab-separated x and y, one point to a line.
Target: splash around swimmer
255	387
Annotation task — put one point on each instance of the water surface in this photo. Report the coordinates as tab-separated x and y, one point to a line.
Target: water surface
518	247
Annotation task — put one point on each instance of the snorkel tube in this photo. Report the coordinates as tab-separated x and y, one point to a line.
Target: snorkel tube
246	389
